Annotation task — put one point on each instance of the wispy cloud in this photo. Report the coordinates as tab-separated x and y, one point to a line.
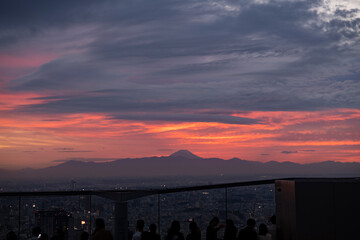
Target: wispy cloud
289	152
63	149
83	160
78	151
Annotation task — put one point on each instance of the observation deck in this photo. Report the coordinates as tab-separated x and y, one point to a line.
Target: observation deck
306	208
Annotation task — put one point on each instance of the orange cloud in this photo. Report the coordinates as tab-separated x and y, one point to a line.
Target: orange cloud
9	101
96	135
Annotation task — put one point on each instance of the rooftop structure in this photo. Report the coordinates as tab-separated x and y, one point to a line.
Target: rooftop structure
305	208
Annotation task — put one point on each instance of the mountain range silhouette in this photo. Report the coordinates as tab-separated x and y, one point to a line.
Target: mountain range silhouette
183	163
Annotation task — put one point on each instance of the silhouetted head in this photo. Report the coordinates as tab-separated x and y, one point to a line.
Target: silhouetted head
175	226
152	227
36	231
273	219
215	221
99	223
44	236
11	236
193	227
59	233
251	222
84	236
140	225
229	223
263	230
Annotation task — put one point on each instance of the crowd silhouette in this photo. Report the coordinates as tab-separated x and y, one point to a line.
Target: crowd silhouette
195	232
264	232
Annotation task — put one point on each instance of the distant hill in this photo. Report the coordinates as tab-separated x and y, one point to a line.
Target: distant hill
183	163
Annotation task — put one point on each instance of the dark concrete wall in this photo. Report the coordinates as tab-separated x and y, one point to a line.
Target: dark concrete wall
318	209
285	209
121	221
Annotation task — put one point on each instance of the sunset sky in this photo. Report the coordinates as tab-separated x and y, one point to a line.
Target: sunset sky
261	80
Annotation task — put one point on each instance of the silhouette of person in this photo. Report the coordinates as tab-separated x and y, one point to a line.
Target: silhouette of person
213	228
139	230
84	236
248	233
272	227
174	232
44	236
100	232
151	235
11	236
58	235
36	231
195	233
264	232
230	230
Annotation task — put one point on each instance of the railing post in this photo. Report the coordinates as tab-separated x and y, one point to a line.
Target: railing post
226	203
90	203
159	213
19	222
121	221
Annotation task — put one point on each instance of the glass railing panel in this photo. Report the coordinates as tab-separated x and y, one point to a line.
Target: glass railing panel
257	202
9	212
70	214
67	214
145	208
103	208
199	206
75	214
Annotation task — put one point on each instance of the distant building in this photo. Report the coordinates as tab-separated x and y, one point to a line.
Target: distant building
49	221
73	185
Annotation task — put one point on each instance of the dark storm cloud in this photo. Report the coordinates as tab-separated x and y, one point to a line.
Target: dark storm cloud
42	13
175	117
184	102
64	74
140	105
51	120
289	152
83	160
36	17
167	60
71	151
24	19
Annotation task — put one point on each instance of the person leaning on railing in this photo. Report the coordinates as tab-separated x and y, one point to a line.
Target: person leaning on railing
100	232
213	228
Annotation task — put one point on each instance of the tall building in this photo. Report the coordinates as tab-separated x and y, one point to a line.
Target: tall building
50	221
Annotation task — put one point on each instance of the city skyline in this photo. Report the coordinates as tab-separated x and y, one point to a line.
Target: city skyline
261	81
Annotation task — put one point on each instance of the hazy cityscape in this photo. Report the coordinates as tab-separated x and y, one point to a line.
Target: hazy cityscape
74	213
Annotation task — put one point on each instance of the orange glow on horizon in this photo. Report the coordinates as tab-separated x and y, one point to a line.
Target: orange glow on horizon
281	136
